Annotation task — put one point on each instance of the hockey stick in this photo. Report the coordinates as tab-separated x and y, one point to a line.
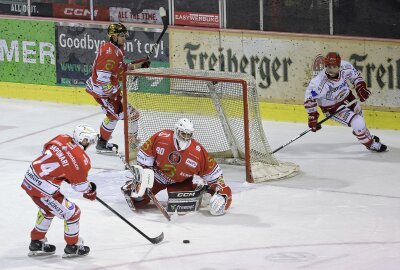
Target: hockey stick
319	123
154	240
148	191
164	19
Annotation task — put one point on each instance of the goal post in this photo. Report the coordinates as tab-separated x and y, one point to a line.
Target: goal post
223	107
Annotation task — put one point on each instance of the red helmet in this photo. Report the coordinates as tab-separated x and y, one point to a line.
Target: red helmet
332	59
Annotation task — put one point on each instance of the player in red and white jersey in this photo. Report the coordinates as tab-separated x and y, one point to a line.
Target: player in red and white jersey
330	90
175	157
104	84
63	159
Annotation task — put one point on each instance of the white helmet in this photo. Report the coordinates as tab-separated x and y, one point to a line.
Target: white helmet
82	132
183	133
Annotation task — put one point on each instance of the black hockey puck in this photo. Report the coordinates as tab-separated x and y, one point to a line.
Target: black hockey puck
186	241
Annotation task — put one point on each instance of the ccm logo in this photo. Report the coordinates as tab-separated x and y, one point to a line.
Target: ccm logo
185	194
78	12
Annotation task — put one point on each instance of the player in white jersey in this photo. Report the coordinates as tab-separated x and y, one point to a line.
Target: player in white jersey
330	90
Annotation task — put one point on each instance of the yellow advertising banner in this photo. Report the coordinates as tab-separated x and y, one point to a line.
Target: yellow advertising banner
283	64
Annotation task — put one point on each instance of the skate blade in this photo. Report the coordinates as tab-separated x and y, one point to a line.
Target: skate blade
39	253
69	256
106	152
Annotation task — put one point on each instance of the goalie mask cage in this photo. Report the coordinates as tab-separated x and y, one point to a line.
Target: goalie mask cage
223	107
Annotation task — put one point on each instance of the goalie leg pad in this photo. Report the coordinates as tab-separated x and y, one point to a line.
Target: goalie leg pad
185	201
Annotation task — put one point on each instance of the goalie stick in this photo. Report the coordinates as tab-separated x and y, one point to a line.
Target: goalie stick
319	123
153	240
148	191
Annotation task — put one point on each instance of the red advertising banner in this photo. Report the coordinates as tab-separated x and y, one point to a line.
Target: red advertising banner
80	12
196	19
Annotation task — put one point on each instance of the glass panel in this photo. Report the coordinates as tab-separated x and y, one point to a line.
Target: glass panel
243	14
369	18
307	16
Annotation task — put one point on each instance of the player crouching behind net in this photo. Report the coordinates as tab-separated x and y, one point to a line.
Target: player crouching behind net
175	157
63	160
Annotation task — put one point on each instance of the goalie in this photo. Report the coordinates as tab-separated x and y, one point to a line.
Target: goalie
175	157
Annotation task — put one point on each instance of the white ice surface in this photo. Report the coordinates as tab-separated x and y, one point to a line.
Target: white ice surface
341	212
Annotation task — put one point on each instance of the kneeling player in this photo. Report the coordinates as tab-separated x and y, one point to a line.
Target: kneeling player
175	157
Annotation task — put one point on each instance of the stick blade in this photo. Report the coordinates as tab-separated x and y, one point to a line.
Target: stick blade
157	239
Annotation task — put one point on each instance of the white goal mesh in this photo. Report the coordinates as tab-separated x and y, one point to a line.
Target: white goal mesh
223	107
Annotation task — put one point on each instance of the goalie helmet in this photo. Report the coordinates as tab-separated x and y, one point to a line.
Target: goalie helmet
115	29
84	135
183	133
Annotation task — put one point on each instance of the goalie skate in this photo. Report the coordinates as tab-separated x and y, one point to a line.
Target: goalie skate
41	248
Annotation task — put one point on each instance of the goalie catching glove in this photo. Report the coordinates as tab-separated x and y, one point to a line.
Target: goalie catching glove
221	200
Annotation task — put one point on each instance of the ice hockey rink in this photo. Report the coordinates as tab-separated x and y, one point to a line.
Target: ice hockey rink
342	211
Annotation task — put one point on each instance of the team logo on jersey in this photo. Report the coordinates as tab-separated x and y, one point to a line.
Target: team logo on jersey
317	64
174	157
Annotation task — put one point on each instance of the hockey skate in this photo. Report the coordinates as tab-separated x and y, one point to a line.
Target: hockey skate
104	147
76	250
41	248
376	145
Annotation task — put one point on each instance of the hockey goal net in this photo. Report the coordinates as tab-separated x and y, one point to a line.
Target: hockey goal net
223	107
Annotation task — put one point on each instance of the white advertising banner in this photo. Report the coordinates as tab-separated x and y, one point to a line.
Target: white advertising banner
284	64
119	14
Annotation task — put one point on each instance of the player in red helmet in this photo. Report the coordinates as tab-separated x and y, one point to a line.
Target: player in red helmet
330	90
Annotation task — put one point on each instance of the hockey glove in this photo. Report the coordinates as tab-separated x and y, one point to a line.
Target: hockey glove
91	192
221	200
362	91
140	63
313	121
